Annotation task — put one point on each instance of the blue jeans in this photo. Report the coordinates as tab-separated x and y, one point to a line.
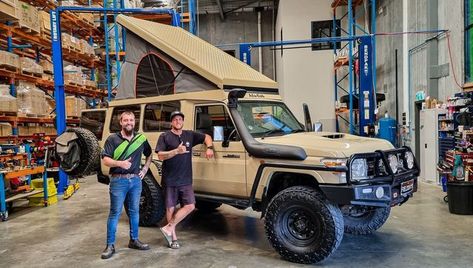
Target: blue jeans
124	190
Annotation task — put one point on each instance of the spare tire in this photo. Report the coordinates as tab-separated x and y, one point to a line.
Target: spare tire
78	152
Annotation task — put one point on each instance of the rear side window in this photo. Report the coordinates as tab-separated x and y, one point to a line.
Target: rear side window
157	115
93	121
117	111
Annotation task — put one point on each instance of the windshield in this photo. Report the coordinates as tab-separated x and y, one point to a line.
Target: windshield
267	118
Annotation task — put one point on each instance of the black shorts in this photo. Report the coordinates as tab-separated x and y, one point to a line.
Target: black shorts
183	195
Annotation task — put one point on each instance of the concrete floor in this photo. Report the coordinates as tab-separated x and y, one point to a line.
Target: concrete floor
421	233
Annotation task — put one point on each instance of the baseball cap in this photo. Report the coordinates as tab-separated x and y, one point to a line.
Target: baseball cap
177	113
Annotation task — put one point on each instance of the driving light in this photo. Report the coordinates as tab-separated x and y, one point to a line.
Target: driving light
393	162
410	160
359	169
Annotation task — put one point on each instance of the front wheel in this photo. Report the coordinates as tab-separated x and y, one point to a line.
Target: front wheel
303	226
363	221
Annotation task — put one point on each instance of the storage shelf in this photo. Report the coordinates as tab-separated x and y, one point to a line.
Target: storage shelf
20	36
23	195
45	120
49	84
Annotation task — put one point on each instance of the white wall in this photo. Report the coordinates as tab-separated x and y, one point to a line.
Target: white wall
305	75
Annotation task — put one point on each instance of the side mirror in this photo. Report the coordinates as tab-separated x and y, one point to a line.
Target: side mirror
226	140
307	120
218	133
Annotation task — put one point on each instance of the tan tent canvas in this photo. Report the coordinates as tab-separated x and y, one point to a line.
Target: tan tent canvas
162	59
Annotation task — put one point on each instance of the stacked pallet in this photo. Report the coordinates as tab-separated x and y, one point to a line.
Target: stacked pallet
45	25
28	18
74	106
8	104
5	129
30	67
8	10
9	61
31	100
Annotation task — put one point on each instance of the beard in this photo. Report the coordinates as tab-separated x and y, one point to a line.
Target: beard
128	130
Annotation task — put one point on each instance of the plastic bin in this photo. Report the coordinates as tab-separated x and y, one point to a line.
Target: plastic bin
37	184
460	197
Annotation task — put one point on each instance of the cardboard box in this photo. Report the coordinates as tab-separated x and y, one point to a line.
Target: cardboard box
74	106
5	129
8	10
45	23
28	17
9	60
8	103
30	66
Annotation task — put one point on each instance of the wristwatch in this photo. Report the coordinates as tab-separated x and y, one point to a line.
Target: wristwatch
210	147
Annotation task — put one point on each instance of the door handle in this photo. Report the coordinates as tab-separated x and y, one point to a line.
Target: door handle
231	156
196	154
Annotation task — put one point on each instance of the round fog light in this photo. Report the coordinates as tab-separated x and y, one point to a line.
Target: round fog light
379	192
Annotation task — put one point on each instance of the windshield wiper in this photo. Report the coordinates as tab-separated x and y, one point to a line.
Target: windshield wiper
265	134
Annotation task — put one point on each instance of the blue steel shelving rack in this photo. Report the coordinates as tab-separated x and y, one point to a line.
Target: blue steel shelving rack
366	83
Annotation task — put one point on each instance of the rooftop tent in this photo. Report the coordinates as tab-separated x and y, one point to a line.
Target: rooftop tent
162	59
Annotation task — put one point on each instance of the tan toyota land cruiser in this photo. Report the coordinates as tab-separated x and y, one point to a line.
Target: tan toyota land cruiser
310	187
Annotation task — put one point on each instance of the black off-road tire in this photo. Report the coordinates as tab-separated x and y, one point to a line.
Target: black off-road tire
207	206
89	152
367	222
303	226
152	207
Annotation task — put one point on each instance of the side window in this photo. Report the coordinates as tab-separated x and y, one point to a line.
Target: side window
117	111
157	115
208	117
93	121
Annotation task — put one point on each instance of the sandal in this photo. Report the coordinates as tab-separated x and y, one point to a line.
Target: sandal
167	237
174	244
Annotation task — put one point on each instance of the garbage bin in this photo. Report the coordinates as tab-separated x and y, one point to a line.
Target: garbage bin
460	197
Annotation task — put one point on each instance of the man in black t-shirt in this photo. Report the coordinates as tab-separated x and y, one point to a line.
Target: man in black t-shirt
122	153
174	148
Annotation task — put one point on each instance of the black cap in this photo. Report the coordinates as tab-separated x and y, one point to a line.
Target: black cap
177	113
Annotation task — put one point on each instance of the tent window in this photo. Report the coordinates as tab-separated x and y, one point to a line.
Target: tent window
154	77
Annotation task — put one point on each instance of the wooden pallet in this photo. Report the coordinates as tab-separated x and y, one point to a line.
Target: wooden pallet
72	83
25	28
9	68
33	115
8	113
35	75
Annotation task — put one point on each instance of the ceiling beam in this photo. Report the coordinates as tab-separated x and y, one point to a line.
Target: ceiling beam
220	9
242	6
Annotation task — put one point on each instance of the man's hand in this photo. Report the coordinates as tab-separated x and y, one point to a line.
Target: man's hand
143	172
209	153
126	164
181	149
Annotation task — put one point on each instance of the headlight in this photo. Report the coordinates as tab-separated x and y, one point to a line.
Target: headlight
393	162
334	162
359	169
410	160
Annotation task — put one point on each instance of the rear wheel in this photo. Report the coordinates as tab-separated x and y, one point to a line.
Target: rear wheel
303	226
362	221
152	207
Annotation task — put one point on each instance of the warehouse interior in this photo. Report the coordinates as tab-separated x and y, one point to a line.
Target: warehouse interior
340	131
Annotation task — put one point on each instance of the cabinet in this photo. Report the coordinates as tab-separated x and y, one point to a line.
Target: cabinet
429	146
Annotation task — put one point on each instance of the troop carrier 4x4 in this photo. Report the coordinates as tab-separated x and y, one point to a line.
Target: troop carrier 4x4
309	187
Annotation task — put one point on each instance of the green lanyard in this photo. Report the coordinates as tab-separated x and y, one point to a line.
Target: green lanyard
125	149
